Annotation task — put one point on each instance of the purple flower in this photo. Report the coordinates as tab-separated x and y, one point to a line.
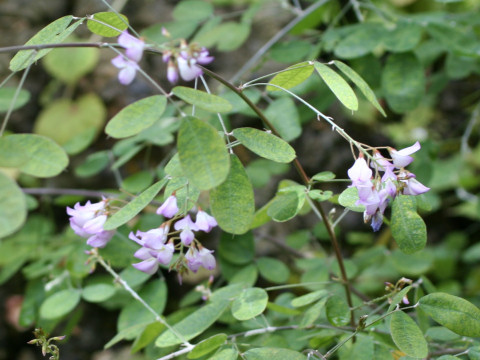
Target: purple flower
87	221
169	208
389	181
154	250
401	158
205	222
188	69
360	173
172	73
187	226
186	62
128	69
196	258
379	163
133	46
411	185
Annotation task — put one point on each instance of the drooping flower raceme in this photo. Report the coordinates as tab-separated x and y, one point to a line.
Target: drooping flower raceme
128	63
375	193
87	221
157	248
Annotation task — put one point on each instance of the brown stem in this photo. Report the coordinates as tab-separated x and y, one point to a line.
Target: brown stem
306	181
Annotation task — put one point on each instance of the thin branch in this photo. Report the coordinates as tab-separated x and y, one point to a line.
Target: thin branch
258	55
53	46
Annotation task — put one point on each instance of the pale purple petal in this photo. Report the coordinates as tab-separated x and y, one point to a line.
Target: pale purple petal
142	254
187	236
204	58
207	259
360	172
377	221
149	266
401	158
95	225
205	222
119	62
136	238
184	223
188	69
127	74
414	187
101	239
379	163
134	47
165	255
193	262
172	73
169	208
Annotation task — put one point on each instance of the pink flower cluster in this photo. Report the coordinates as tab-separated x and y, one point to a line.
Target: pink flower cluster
157	249
184	62
87	221
128	63
375	193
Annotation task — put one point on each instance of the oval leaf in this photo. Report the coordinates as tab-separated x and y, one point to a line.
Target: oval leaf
233	202
292	76
207	346
225	354
403	82
114	24
13	207
455	313
286	205
251	302
309	298
6	97
44	157
273	270
98	292
203	100
131	210
407	335
408	228
193	325
136	117
202	153
338	85
338	313
59	304
284	116
273	353
265	144
361	84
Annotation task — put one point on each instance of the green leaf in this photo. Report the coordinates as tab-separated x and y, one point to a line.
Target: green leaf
93	164
408	228
455	313
320	195
309	298
404	37
118	22
233	35
202	152
338	313
50	34
207	346
73	124
134	207
313	313
137	182
59	304
98	292
251	302
273	353
237	250
13	207
136	117
194	324
348	198
284	116
361	41
147	336
6	97
361	84
203	100
44	157
292	76
225	354
192	10
265	144
407	335
338	85
286	205
233	202
324	176
273	270
70	64
403	82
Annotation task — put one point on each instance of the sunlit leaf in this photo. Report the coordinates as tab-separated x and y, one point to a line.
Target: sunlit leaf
113	25
203	154
291	76
407	335
136	117
338	85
